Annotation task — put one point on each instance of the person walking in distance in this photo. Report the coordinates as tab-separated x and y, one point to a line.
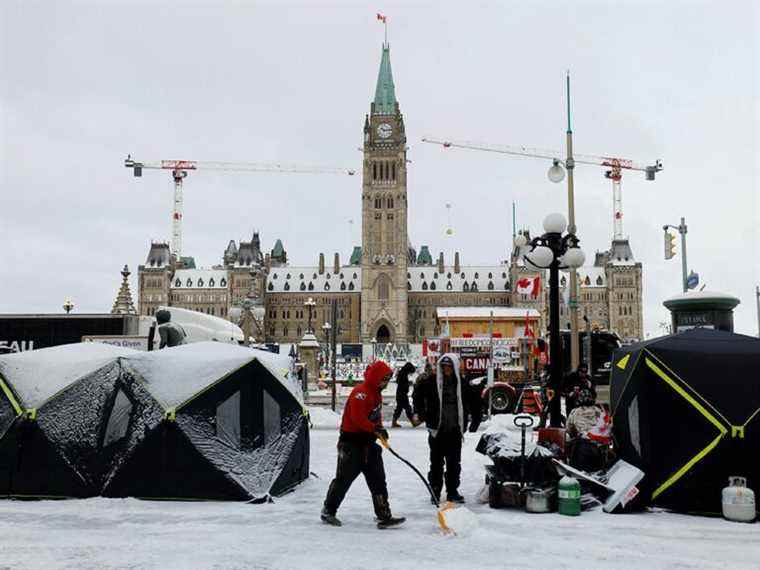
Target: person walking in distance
358	451
402	395
438	402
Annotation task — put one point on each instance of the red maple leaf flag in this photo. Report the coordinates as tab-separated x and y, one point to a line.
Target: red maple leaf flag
529	286
381	17
528	331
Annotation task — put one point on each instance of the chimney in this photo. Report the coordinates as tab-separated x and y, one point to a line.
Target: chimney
321	263
457	268
440	262
336	264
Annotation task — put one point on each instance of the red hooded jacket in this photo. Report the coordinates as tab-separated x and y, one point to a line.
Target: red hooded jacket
363	411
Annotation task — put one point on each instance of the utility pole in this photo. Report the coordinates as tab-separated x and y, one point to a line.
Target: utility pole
757	298
571	228
491	366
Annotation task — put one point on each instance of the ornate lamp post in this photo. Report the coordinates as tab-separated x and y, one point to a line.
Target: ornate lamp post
553	251
326	330
309	304
68	305
374	347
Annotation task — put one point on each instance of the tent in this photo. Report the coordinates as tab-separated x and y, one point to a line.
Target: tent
199	421
687	412
51	402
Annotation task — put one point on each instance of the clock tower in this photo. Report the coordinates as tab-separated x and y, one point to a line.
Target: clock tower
384	216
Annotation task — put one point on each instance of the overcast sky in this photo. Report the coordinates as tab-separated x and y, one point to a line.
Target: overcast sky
83	84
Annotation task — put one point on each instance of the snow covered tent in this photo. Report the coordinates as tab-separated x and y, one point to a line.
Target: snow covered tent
220	422
687	412
53	403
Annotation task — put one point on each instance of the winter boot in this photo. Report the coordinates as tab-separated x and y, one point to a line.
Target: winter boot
395	424
330	518
383	513
454	497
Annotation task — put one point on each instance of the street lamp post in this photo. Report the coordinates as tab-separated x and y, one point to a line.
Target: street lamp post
374	347
553	251
681	230
309	304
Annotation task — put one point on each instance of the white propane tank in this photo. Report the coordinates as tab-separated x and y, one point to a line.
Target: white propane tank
738	501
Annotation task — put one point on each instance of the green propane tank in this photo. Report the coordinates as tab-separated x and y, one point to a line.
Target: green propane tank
569	495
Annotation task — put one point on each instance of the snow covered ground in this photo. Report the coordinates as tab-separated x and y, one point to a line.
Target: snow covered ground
115	533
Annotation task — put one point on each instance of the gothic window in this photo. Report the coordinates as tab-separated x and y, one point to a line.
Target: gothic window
374	171
189	282
378	204
422	276
285	331
327	276
587	281
476	275
177	283
270	287
448	275
287	314
211	282
200	282
474	286
327	286
298	332
341	276
303	286
311	286
287	276
462	275
432	285
449	286
342	285
390	202
393	177
390	216
466	286
490	285
287	287
351	286
490	275
599	280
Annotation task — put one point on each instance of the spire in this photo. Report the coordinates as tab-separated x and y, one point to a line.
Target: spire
385	93
123	304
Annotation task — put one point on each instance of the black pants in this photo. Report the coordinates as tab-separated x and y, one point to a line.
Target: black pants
445	447
355	458
402	405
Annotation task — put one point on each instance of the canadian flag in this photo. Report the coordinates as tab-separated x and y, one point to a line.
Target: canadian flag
381	17
529	286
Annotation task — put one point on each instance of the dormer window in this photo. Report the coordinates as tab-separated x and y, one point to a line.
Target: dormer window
465	287
270	287
211	282
424	286
490	285
448	275
300	276
342	285
462	275
449	286
311	286
599	280
274	276
327	286
200	282
189	282
287	286
314	276
287	276
302	286
476	275
351	286
432	285
223	282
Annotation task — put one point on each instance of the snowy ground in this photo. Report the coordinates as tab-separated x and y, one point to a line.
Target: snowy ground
113	533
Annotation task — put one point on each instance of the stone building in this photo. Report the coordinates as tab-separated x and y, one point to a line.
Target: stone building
386	292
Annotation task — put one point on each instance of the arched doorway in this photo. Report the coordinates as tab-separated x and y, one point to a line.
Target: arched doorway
383	335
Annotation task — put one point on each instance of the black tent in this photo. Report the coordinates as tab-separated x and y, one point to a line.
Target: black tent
199	421
687	412
52	402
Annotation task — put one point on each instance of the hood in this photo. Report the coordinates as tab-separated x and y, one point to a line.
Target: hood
375	373
454	358
408	368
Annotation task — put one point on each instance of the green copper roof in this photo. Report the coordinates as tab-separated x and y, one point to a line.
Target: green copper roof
187	262
385	92
278	250
424	258
356	256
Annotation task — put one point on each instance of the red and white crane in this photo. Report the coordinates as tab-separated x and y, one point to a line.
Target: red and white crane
613	168
180	168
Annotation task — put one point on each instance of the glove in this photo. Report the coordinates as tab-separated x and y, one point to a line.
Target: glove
382	433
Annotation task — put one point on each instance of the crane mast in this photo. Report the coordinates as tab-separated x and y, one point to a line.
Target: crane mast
613	168
180	168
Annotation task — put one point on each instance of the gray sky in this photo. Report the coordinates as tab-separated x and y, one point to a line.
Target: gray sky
83	84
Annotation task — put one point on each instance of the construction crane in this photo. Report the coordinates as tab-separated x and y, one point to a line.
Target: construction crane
613	168
180	168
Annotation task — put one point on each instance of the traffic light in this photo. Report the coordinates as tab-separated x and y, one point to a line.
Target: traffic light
670	245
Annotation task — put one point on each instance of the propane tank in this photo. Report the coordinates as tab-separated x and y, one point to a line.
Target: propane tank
738	501
569	495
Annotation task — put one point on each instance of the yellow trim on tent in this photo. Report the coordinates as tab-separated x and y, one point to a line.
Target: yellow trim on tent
31	414
685	469
623	362
9	394
701	409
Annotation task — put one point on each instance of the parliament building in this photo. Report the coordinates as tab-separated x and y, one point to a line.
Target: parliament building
387	291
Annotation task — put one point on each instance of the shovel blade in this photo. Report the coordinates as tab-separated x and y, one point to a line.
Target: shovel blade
456	520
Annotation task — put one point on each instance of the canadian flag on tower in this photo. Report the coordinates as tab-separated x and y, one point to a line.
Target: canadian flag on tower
529	286
381	17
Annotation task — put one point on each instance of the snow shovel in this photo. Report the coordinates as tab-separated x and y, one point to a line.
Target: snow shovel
452	519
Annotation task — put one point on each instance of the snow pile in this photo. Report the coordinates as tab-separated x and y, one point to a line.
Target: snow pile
324	418
461	520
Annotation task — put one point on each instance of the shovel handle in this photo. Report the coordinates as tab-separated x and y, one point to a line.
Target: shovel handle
387	446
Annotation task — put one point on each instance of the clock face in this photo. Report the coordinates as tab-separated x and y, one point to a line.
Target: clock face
384	130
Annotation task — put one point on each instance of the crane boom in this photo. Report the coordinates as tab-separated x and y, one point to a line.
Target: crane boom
180	168
614	164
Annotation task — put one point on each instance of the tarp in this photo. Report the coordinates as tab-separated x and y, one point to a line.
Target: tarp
200	421
686	411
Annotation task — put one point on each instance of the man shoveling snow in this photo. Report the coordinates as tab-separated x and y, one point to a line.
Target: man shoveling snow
358	451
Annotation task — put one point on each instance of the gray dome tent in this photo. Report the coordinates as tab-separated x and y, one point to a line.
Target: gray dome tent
200	421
